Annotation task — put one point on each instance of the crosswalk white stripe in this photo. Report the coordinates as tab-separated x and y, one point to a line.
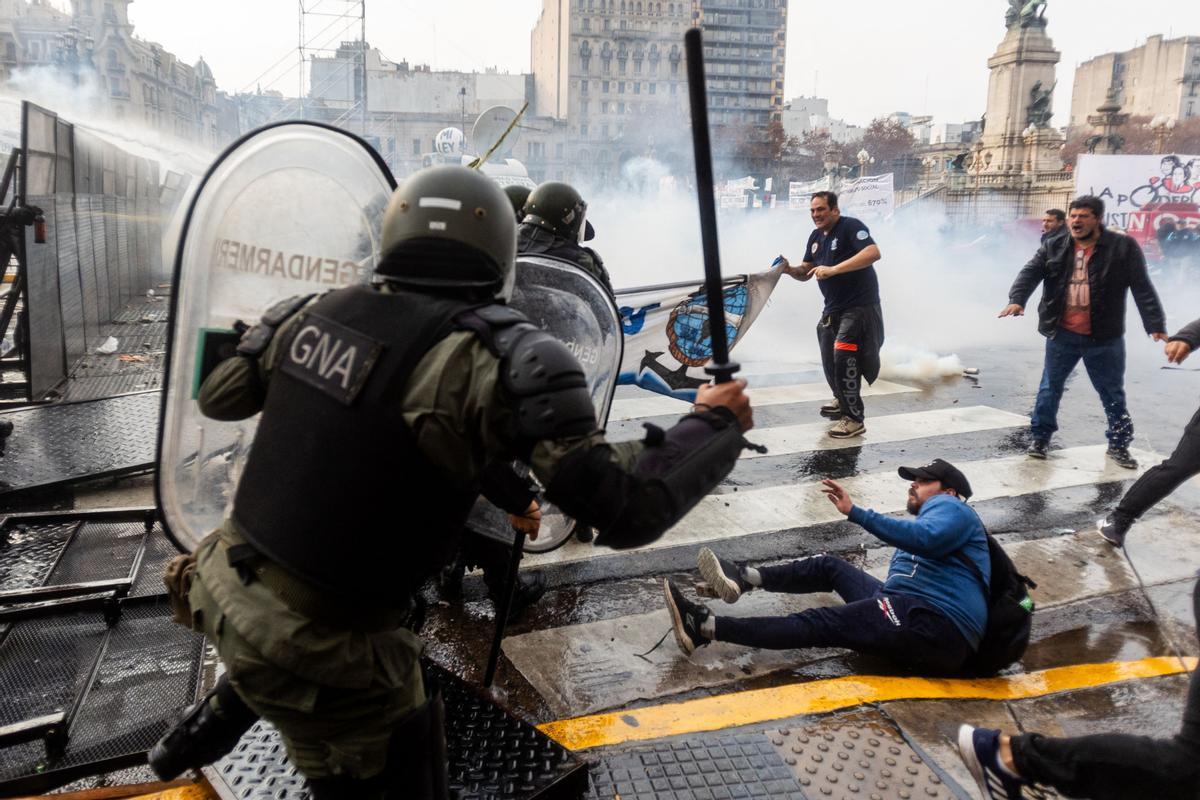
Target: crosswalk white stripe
627	408
789	439
776	508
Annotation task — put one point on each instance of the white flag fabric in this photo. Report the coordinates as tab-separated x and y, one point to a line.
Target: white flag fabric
667	338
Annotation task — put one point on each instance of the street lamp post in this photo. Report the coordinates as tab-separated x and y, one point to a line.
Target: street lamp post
462	94
864	158
831	161
1161	126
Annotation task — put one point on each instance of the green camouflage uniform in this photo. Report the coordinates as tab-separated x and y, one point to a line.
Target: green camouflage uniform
335	677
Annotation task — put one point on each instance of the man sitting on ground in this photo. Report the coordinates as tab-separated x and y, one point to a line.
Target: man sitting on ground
929	615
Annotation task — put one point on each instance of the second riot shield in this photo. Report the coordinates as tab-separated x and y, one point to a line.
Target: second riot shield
559	297
289	210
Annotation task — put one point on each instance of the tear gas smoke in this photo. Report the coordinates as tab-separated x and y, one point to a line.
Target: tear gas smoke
85	105
941	285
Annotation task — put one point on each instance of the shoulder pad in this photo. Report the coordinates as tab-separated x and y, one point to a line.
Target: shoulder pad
284	309
255	341
548	387
495	325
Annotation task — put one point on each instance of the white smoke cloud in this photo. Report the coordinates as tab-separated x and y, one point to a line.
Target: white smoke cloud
84	103
941	289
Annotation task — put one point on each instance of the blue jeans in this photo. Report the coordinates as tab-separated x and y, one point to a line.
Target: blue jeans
900	627
1105	364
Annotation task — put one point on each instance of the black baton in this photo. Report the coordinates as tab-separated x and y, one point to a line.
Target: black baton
721	368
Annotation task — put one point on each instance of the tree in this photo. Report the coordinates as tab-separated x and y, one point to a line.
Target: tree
747	149
808	161
890	143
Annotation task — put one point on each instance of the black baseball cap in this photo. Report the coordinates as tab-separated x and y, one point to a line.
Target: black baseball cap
939	470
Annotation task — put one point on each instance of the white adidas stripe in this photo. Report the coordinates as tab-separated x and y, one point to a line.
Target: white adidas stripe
790	439
657	405
733	514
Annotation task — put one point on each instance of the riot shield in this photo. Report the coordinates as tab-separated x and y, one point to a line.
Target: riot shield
291	209
560	297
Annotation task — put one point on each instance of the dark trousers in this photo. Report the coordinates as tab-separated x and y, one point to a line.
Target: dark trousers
1105	365
1160	481
1119	766
850	342
900	627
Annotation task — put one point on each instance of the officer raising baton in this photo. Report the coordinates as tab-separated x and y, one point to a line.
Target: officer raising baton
406	394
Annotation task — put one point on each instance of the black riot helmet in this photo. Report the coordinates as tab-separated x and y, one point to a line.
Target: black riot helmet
558	208
450	228
517	195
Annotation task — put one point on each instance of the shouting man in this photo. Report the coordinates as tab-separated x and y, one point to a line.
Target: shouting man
1085	277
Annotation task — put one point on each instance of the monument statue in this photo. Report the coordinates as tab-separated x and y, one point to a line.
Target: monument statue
1038	112
1026	13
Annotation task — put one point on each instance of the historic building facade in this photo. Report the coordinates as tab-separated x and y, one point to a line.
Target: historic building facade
140	82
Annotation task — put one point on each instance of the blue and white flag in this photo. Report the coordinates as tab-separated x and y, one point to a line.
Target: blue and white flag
667	338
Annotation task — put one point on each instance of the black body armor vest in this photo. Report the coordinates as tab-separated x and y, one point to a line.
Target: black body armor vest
335	489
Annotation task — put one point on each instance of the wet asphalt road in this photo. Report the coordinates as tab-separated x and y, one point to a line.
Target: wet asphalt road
1121	625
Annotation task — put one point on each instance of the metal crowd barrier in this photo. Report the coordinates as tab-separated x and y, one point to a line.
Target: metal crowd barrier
103	245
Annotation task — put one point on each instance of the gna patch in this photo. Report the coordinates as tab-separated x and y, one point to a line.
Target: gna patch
331	358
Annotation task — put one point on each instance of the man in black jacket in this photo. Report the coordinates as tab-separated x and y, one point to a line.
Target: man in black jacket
1160	481
1084	278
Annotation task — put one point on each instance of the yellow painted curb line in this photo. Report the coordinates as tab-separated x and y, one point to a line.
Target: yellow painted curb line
815	697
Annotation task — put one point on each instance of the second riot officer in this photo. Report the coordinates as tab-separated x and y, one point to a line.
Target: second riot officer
555	224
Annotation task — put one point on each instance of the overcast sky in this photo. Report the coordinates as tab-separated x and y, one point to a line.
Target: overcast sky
869	57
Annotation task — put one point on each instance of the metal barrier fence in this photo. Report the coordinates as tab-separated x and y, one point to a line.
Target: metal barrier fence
103	243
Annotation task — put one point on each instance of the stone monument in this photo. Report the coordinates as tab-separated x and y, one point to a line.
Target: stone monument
1017	138
1107	120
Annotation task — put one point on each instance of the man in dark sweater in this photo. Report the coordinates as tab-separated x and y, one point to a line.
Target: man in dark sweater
1084	278
929	614
841	255
1160	481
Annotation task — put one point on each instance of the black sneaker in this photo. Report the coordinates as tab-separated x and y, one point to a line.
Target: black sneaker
1121	457
980	751
1113	528
1037	448
724	577
686	618
529	589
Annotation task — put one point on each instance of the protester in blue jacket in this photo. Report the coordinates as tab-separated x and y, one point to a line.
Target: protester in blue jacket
928	615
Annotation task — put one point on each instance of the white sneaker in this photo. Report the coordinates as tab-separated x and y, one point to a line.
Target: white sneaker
846	428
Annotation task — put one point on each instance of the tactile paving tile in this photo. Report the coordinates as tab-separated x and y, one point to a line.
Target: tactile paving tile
856	756
76	441
713	767
492	755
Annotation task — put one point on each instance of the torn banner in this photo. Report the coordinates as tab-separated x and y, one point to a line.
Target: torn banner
667	339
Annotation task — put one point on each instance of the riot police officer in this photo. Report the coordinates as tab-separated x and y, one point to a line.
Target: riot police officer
517	195
554	225
411	395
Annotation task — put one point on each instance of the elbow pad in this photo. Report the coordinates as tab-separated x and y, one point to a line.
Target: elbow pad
679	467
